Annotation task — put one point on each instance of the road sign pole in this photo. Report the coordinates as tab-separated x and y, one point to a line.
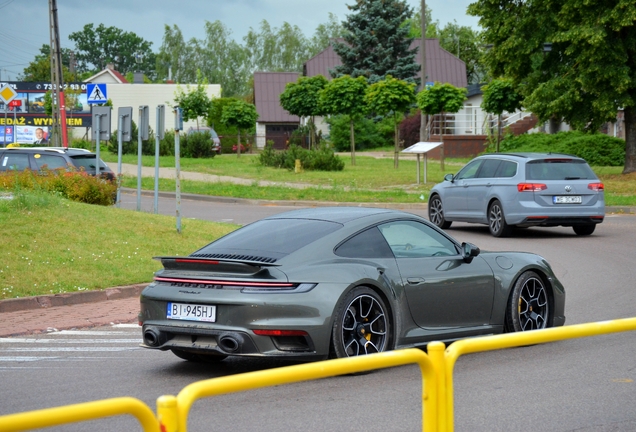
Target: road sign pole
5	125
177	150
139	127
119	151
97	131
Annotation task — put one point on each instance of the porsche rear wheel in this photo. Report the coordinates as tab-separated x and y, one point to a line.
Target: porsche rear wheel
529	304
362	325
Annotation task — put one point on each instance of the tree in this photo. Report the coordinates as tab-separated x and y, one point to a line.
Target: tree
376	42
325	34
587	74
499	96
302	99
393	97
241	114
345	95
98	46
441	99
40	68
195	103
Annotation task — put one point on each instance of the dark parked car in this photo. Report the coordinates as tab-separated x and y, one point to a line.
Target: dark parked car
37	158
520	190
341	282
215	141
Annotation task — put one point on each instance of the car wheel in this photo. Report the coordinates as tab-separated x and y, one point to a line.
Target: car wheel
497	221
529	305
584	229
436	213
198	358
362	325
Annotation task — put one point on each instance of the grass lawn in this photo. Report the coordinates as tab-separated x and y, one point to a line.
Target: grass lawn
52	245
372	179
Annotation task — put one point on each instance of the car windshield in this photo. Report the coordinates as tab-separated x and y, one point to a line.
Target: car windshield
87	162
212	132
559	169
271	237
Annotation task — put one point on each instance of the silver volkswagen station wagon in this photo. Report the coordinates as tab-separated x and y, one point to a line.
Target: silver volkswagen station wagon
508	190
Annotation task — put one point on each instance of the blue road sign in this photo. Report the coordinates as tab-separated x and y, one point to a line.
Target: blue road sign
96	93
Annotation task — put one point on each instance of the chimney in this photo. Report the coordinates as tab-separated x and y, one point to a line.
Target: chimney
110	66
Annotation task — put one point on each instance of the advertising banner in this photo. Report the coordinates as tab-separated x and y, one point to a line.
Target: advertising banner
31	111
6	135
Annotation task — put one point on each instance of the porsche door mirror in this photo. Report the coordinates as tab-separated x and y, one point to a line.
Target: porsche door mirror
469	251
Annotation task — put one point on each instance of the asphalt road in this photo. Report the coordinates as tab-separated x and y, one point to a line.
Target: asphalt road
586	384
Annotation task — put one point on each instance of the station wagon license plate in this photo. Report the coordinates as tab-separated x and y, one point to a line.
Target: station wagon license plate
566	199
191	312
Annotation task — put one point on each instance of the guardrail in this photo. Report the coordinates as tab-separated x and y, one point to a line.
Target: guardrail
81	412
173	411
436	368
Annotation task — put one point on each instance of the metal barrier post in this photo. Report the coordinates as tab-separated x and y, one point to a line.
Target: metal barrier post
435	352
81	412
291	374
167	413
510	340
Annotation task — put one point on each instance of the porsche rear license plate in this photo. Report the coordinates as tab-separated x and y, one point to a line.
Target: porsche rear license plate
191	312
566	199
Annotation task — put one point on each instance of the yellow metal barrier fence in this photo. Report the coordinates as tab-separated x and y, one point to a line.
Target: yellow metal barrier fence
81	412
510	340
172	411
436	368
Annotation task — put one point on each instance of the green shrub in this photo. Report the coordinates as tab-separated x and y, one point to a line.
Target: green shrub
196	145
597	149
368	134
321	159
74	185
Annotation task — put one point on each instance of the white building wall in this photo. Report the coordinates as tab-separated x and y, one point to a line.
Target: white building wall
135	95
260	135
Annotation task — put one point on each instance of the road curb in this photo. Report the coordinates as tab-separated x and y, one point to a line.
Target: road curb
68	299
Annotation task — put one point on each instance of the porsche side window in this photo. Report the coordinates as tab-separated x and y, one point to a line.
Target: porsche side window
367	244
409	239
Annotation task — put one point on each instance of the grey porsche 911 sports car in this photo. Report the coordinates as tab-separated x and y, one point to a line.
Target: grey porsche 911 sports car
341	282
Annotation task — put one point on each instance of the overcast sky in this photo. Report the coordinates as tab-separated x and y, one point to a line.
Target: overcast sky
24	24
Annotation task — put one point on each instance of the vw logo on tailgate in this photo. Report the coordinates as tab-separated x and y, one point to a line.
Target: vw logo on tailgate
568	188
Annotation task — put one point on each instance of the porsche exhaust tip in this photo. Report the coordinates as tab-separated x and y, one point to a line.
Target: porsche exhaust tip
153	337
229	344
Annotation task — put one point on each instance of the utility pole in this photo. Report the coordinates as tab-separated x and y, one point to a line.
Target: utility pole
423	117
57	81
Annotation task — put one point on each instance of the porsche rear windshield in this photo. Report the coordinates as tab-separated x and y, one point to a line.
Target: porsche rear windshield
559	169
272	237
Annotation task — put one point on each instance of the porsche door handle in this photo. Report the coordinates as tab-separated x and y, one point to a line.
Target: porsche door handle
415	280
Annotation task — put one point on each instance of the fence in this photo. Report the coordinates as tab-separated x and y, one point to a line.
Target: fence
471	120
436	367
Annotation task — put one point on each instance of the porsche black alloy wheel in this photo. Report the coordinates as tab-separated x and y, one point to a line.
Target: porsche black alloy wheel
436	213
362	325
497	221
196	357
529	304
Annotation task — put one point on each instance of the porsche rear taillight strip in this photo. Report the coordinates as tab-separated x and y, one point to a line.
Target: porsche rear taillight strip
199	261
228	283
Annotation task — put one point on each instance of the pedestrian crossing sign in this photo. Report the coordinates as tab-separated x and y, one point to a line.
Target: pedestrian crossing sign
96	93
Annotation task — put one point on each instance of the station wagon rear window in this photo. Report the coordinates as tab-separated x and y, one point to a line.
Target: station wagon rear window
559	169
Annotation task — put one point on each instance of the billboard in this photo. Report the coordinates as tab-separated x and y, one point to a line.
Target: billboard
30	111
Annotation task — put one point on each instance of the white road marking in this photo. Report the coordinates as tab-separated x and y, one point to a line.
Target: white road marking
68	341
72	349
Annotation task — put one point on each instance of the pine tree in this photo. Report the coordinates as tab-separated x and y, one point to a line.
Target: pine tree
376	43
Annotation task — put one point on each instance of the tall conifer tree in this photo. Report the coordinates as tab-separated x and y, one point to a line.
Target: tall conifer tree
376	43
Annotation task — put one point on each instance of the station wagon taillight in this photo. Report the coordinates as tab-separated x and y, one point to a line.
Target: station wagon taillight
596	187
531	187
